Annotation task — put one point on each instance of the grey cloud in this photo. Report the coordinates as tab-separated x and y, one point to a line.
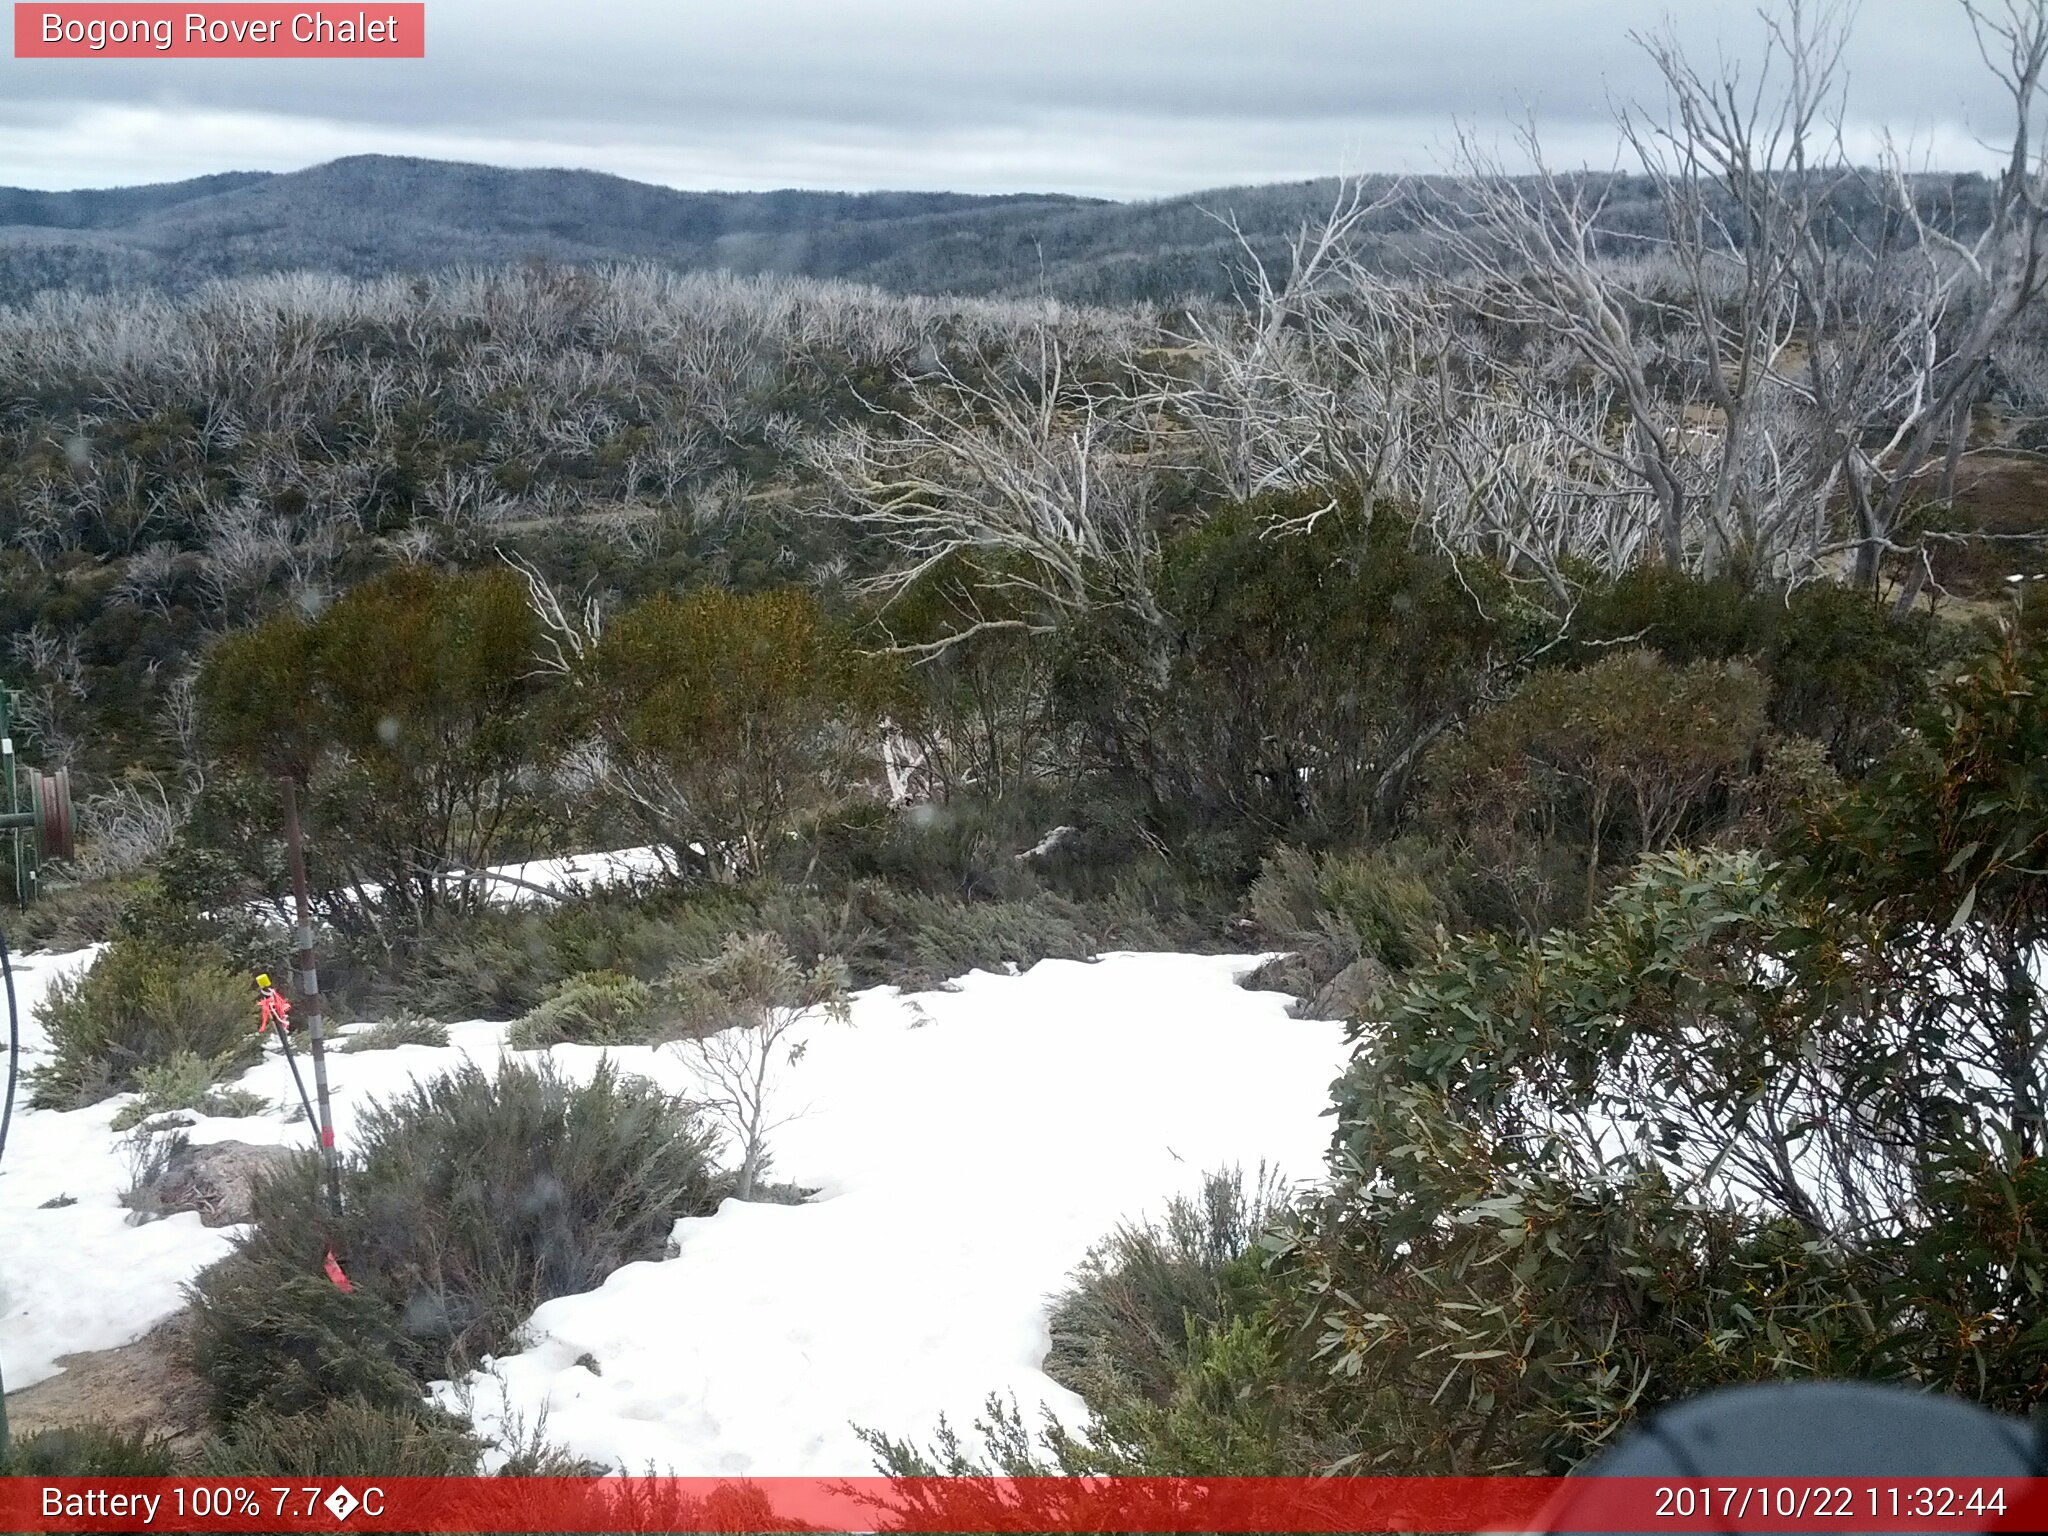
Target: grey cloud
1124	97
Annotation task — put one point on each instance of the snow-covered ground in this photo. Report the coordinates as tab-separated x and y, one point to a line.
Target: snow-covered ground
966	1145
77	1277
531	881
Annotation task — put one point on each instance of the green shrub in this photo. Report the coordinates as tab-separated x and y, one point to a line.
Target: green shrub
1126	1325
406	1029
751	983
466	1203
141	1004
1845	671
289	1340
1229	1414
1684	618
67	917
1793	776
88	1450
132	1115
1383	904
595	1008
1336	910
643	933
1305	674
1286	901
483	965
501	964
505	964
186	1081
1842	669
150	1156
161	912
978	850
915	942
411	694
964	848
234	1103
345	1438
736	714
1550	795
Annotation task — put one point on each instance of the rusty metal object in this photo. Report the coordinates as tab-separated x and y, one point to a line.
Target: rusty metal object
36	819
51	793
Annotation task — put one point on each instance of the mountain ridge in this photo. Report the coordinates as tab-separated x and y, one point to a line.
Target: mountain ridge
374	215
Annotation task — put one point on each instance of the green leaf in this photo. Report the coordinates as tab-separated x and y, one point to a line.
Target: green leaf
1969	904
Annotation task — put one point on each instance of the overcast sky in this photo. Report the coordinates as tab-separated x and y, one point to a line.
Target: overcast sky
1115	98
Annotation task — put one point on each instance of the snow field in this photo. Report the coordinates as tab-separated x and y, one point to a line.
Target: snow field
967	1146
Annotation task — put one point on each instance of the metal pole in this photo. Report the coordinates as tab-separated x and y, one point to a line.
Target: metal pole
291	1059
309	988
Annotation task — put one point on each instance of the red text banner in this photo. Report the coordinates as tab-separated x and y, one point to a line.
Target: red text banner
921	1505
233	31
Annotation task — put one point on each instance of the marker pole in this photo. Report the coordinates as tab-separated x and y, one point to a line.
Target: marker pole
309	988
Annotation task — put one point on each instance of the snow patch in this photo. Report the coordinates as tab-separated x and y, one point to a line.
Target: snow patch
966	1146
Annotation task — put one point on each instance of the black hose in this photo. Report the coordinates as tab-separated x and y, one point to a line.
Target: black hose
13	1044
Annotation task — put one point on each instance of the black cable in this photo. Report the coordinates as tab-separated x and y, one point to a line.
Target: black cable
13	1044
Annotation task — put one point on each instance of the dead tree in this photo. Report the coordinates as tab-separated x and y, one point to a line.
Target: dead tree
1016	469
1798	339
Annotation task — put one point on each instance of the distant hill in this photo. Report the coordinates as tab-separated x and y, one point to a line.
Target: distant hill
370	215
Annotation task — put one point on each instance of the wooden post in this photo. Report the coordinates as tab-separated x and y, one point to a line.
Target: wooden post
309	989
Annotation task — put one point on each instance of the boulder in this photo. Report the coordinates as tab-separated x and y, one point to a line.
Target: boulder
1347	995
217	1180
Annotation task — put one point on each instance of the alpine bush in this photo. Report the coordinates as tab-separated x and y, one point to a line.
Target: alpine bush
481	965
466	1203
141	1004
735	1011
88	1450
67	917
1374	911
1127	1323
389	1034
345	1438
187	1081
500	964
595	1008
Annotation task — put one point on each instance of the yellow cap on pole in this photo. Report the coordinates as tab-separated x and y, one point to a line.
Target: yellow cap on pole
262	981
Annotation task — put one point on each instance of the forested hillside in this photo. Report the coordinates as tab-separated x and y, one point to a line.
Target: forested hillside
378	215
371	215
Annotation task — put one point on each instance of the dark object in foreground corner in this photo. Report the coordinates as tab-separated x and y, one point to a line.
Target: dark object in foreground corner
1821	1429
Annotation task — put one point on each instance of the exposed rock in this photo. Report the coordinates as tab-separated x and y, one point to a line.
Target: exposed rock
1347	995
1289	973
147	1387
217	1180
